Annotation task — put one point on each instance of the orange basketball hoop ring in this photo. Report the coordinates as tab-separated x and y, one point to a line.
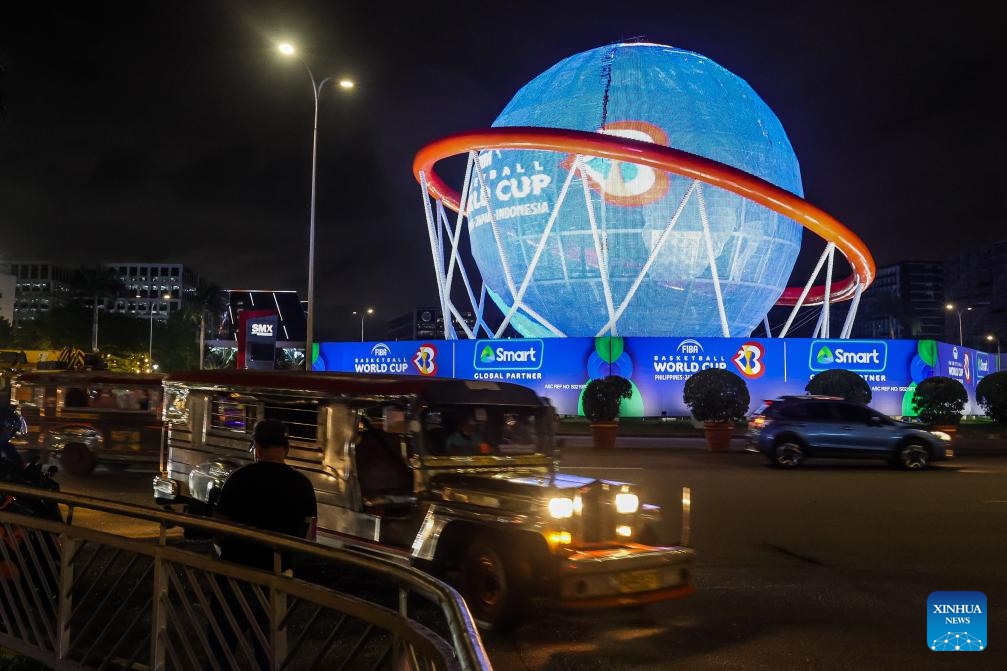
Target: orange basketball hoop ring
691	166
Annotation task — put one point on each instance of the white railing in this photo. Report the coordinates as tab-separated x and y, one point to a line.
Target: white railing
76	597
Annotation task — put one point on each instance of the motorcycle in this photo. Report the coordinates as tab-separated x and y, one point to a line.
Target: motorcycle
28	554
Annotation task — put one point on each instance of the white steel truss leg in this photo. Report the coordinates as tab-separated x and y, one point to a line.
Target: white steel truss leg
828	292
611	325
725	331
852	314
807	288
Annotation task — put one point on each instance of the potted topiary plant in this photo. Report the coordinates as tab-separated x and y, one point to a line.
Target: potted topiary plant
842	383
718	398
939	401
601	407
991	394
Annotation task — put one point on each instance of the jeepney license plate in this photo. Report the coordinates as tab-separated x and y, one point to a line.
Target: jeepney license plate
638	581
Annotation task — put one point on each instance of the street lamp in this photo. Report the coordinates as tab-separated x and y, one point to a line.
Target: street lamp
991	338
288	49
952	308
363	315
150	342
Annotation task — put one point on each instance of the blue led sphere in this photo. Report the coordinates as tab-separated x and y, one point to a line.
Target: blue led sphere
644	92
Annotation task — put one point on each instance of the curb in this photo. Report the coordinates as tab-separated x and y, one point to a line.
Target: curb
967	447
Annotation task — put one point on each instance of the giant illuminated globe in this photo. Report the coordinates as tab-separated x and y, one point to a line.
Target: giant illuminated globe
605	217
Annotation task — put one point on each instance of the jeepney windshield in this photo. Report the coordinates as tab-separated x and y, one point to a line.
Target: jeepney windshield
473	430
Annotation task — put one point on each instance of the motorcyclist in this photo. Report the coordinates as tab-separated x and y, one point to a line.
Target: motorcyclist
12	424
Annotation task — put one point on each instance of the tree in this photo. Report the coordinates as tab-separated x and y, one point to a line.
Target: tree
97	283
716	395
991	394
602	397
839	382
940	400
209	299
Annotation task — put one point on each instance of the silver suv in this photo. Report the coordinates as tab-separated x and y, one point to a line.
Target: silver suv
790	429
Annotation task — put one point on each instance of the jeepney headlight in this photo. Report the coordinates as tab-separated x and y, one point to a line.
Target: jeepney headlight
624	530
560	538
560	507
627	503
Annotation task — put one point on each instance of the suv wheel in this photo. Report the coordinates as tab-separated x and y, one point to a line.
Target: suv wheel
914	457
788	454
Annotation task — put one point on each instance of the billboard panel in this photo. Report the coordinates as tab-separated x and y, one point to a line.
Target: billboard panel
558	368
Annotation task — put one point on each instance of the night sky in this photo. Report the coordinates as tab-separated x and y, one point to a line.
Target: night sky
173	131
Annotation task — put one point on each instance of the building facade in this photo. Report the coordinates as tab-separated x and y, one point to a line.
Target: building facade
976	290
906	300
41	286
152	290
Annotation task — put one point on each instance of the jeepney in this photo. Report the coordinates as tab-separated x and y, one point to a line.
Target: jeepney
87	418
498	520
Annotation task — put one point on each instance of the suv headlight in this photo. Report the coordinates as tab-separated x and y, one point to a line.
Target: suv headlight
941	435
560	507
627	503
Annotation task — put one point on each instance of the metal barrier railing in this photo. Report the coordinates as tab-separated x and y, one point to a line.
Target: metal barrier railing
76	597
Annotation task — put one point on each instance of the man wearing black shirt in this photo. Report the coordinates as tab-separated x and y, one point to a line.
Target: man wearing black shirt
269	495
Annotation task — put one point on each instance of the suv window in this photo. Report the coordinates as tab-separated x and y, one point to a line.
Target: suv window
793	410
820	412
855	413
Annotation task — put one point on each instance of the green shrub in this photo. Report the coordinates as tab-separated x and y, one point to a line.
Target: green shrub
840	382
991	394
602	397
940	400
716	395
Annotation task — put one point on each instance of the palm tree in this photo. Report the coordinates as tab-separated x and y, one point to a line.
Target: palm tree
97	283
210	299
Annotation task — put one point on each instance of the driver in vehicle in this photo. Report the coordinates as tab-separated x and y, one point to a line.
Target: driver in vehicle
467	438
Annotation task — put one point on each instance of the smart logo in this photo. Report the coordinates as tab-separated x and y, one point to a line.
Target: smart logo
425	359
956	621
518	354
862	356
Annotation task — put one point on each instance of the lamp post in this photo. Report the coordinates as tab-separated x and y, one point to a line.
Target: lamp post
363	315
991	338
952	308
150	343
288	49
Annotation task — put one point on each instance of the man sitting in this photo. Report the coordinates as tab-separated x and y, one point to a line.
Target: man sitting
467	439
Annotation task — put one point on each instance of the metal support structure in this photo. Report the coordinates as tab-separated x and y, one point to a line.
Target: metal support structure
828	292
852	314
705	219
579	146
807	288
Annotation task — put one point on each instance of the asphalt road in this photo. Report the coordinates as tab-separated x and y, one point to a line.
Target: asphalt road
826	567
